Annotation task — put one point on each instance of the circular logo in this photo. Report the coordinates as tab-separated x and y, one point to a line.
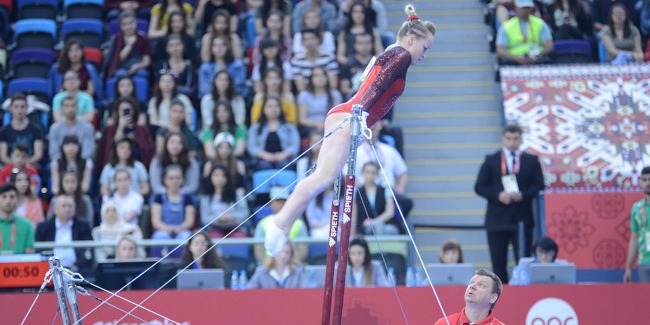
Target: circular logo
551	311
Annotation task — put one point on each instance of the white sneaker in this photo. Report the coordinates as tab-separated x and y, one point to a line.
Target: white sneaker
275	239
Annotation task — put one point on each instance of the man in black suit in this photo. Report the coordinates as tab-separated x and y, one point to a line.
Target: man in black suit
509	179
66	228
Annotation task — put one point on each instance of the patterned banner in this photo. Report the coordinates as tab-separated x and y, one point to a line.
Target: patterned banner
588	123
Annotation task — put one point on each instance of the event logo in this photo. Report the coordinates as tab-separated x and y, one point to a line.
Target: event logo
551	311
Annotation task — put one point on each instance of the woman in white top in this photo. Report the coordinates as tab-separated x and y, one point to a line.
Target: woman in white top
165	92
362	270
128	202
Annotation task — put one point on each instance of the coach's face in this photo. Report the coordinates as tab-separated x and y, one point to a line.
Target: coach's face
511	140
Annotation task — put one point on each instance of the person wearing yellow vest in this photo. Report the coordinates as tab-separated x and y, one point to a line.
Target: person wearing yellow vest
524	39
299	229
640	233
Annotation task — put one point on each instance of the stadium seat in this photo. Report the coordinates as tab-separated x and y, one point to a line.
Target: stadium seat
89	31
94	56
35	33
572	51
5	20
284	178
114	26
43	9
92	9
40	87
397	262
31	62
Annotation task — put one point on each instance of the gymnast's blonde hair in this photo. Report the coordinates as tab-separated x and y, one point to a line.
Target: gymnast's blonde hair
414	25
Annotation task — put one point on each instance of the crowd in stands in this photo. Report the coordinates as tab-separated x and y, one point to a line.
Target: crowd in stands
156	124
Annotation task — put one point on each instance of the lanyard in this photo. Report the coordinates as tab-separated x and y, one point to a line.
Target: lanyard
12	242
504	165
530	33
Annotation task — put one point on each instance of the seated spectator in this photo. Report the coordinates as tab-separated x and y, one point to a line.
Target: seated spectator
115	7
165	92
273	81
303	64
273	29
113	228
545	250
71	161
601	12
359	23
29	205
272	142
315	101
124	88
179	67
362	270
175	152
222	59
123	157
376	11
177	27
515	48
281	271
263	11
127	249
19	162
200	253
128	202
178	124
451	252
127	113
324	10
71	124
318	214
220	26
73	59
160	15
83	205
130	52
222	206
222	90
570	19
21	130
312	19
223	155
271	58
223	121
356	64
621	39
374	208
279	196
206	10
172	213
16	232
71	229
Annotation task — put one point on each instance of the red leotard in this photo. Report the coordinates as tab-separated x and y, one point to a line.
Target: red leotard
382	87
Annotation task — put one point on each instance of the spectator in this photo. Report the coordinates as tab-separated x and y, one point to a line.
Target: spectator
513	47
177	66
363	271
128	202
601	11
123	157
638	234
324	9
621	39
223	121
265	10
71	161
451	252
21	130
223	155
311	19
67	227
481	295
124	88
273	30
359	23
19	162
206	10
164	94
177	124
220	27
570	19
545	250
302	65
199	252
222	59
222	206
374	210
16	232
315	101
113	228
280	271
127	249
509	180
356	64
222	89
177	27
271	58
130	52
83	205
115	7
273	82
70	124
127	113
160	15
73	59
376	12
172	213
273	142
175	153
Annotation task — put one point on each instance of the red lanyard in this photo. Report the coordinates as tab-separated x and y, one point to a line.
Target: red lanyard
530	33
12	242
504	165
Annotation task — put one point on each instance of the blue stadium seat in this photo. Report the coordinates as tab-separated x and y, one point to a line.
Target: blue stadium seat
572	51
31	62
284	178
89	31
35	33
93	9
43	9
40	87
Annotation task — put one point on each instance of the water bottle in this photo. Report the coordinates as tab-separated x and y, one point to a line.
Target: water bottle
516	276
243	280
420	279
524	275
312	281
410	277
391	276
234	280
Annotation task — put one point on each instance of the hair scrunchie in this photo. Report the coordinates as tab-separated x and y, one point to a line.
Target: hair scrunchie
413	17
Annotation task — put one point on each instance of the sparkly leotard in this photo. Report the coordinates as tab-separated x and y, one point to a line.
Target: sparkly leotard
382	87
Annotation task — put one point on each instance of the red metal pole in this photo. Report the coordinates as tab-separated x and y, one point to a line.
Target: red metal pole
331	254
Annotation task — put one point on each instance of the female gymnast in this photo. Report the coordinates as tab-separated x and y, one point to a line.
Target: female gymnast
383	85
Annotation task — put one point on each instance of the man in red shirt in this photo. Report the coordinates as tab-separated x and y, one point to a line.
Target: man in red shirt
483	291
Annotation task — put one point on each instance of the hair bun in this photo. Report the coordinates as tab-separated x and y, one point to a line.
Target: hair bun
410	11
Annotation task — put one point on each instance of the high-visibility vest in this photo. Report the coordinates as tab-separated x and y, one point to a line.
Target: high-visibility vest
518	44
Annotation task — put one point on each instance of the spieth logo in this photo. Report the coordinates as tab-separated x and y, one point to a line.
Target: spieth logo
551	311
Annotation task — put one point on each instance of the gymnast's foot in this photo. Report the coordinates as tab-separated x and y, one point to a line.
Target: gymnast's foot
275	239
